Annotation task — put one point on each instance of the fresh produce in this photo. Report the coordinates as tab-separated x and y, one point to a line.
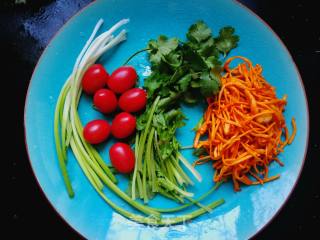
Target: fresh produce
68	127
122	79
123	125
94	78
68	132
105	101
122	157
243	127
96	131
181	72
188	71
133	100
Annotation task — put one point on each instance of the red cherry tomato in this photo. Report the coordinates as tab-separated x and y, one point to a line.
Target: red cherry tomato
133	100
122	157
123	125
94	78
122	79
105	100
96	131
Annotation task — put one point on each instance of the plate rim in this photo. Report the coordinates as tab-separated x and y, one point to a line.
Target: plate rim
241	5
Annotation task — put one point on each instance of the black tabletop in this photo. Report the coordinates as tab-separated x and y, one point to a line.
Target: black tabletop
26	28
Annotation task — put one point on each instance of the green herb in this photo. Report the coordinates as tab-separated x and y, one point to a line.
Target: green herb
227	40
190	68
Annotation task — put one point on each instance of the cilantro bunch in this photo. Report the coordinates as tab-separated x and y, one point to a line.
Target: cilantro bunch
188	69
181	72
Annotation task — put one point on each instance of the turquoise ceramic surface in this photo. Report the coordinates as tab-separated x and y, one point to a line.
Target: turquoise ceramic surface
245	212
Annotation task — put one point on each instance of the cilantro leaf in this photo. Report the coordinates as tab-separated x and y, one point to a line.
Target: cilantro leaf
174	59
159	121
161	47
175	118
164	91
210	84
154	82
142	120
227	40
208	49
166	124
213	62
193	58
184	82
198	32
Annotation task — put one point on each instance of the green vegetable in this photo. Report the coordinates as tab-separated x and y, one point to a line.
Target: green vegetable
175	209
161	48
227	40
190	68
199	32
209	84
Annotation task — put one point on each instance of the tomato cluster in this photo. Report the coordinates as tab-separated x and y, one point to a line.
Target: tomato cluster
120	93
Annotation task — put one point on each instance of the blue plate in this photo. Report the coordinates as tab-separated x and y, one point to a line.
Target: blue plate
245	212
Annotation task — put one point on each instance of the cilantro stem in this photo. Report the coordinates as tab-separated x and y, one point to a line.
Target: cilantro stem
198	125
186	147
153	171
134	177
165	182
151	220
139	181
144	180
190	167
147	164
179	208
179	169
145	133
133	55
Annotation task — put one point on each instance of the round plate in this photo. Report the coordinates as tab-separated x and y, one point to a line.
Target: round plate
245	212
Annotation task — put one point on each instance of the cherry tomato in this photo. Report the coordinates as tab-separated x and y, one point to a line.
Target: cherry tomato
122	79
123	125
133	100
96	131
105	100
122	157
94	78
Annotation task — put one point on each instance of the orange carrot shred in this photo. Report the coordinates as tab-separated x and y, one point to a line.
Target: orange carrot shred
294	126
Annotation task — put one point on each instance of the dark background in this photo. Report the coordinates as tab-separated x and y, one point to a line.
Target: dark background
25	32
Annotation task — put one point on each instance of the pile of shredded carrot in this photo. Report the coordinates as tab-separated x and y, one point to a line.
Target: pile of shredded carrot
244	127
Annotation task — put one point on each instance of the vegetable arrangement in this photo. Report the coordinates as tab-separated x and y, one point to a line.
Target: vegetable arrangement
69	132
181	72
243	123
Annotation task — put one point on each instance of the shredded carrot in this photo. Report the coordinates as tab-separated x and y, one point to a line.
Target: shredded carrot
294	126
244	125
